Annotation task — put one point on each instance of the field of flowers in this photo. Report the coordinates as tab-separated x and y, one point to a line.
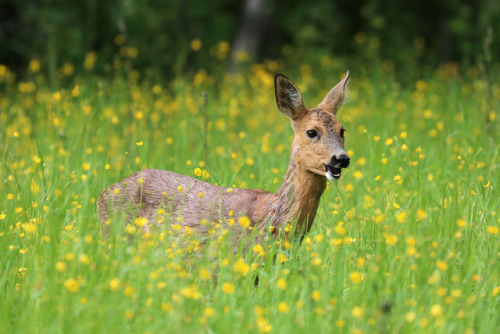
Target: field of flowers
407	241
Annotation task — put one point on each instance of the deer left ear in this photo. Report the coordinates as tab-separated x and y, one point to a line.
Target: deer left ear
288	97
334	99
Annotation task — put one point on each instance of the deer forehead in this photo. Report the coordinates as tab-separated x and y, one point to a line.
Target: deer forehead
317	119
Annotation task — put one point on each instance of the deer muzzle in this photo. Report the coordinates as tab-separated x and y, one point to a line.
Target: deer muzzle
334	168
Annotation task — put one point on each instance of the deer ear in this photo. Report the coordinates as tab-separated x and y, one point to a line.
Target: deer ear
288	97
334	99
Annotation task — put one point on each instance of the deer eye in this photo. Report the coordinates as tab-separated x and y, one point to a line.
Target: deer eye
342	131
311	133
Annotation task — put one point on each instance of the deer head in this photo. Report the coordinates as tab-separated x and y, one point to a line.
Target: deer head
318	146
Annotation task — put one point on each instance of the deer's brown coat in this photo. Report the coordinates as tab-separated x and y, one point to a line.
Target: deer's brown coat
154	194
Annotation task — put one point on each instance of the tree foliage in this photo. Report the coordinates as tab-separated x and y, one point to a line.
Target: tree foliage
158	34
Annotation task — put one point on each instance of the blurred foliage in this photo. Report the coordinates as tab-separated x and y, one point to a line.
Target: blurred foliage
166	38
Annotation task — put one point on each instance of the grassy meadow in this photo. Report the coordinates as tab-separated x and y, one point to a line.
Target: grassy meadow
407	241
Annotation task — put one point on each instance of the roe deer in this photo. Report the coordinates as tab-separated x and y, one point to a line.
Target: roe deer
317	153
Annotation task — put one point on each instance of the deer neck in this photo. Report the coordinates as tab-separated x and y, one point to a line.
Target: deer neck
297	200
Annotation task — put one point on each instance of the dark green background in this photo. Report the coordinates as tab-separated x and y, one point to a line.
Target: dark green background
61	31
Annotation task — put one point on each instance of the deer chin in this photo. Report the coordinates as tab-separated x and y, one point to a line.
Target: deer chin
332	173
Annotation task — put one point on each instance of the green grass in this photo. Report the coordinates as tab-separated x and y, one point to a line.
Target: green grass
406	241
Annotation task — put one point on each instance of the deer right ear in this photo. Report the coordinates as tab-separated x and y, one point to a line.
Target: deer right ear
288	97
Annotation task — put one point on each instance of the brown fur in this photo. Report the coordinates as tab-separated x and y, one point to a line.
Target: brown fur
154	193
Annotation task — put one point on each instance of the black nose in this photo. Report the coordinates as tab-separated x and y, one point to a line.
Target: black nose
342	161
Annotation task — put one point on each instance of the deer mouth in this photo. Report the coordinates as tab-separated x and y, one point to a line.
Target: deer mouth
332	172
